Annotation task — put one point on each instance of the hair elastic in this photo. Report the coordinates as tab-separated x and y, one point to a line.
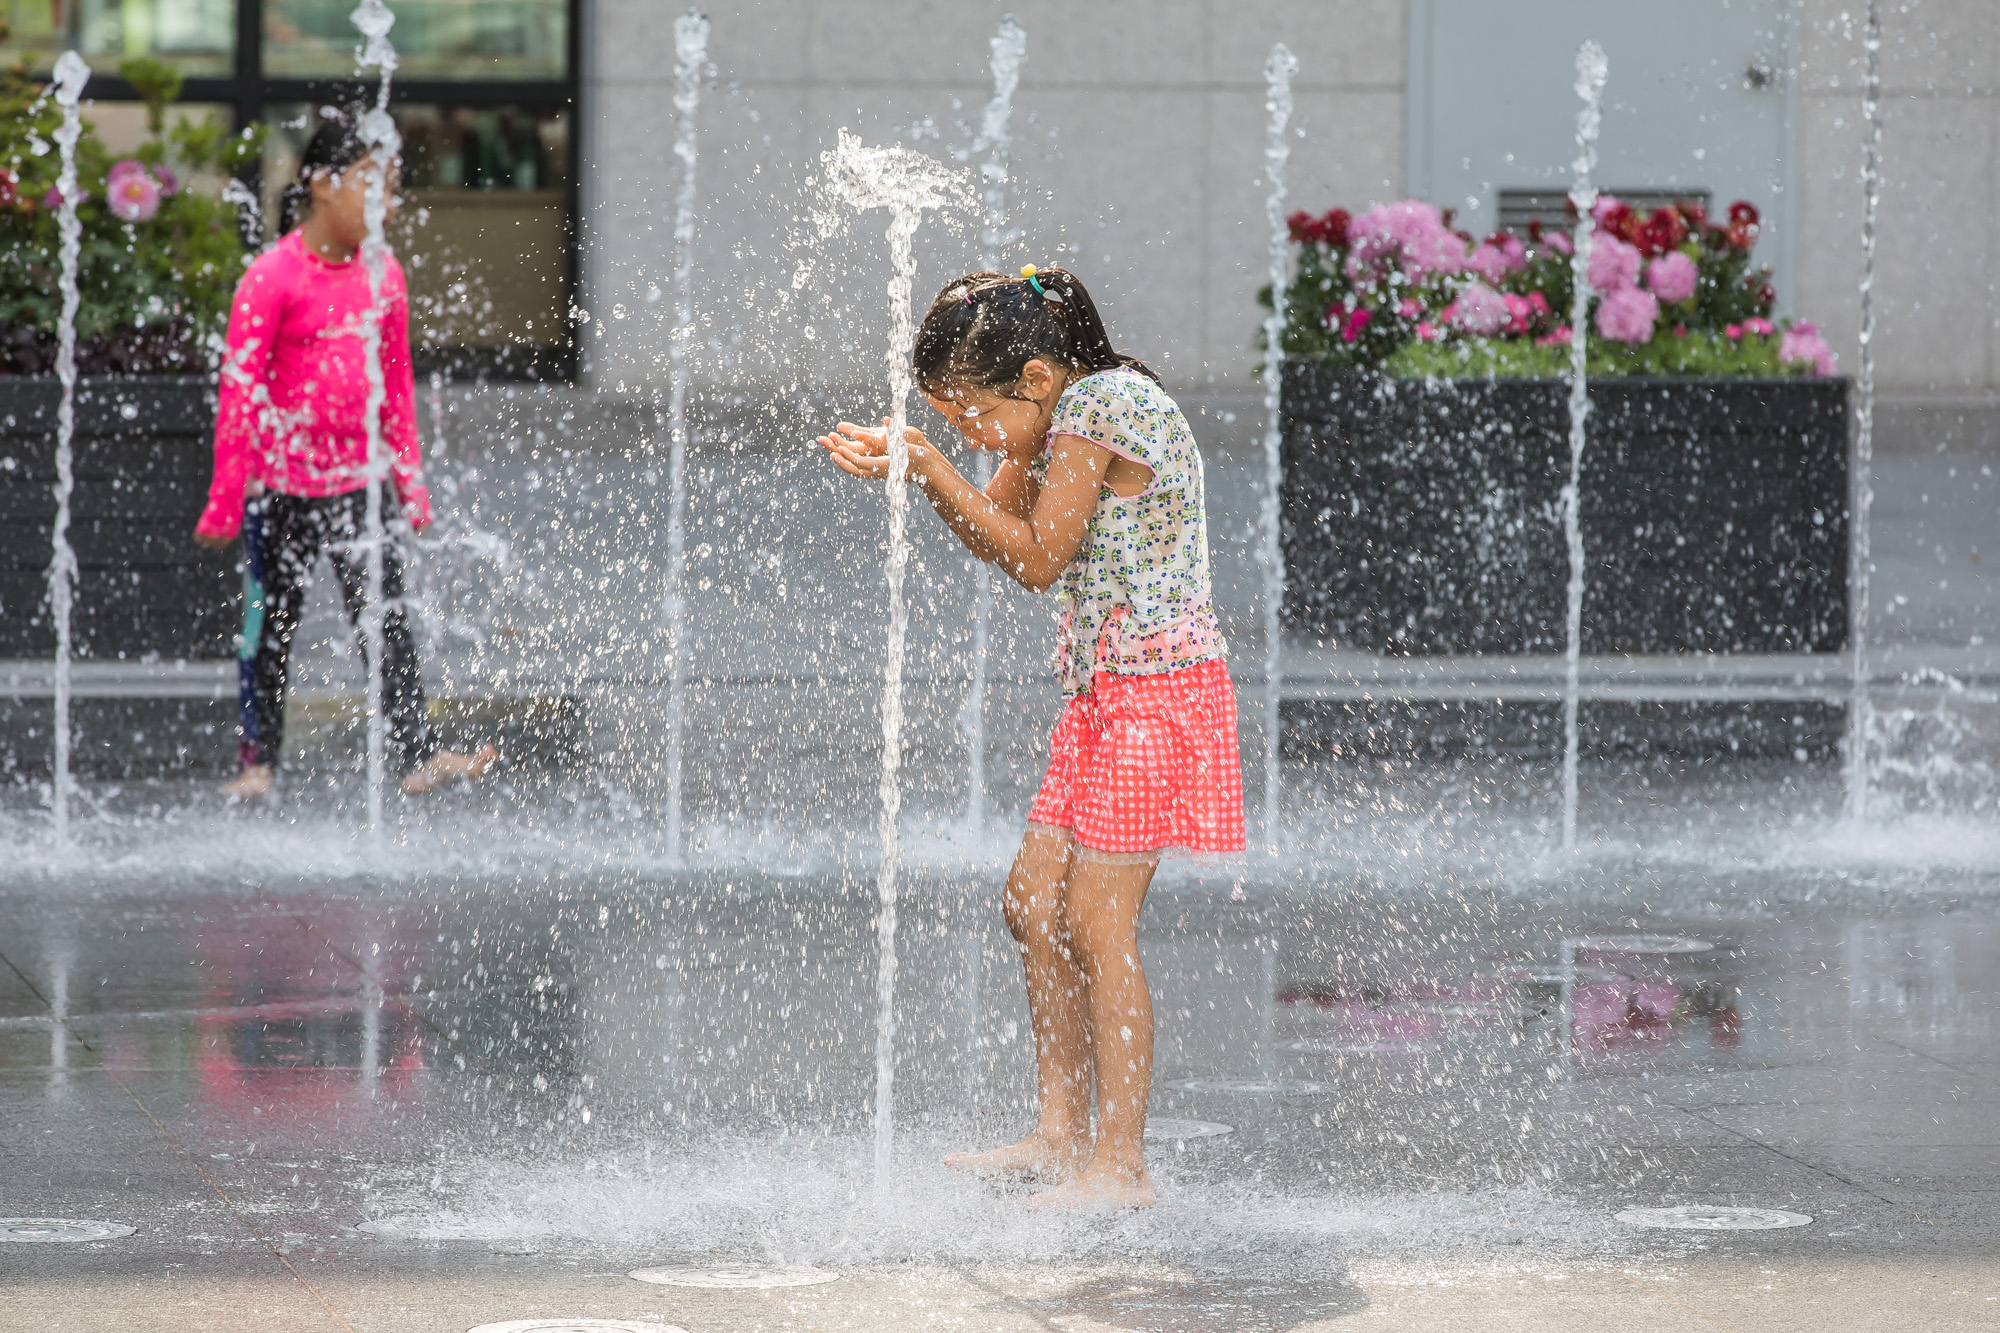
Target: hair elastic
1028	271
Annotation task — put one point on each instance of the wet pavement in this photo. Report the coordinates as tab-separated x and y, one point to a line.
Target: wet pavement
1442	1076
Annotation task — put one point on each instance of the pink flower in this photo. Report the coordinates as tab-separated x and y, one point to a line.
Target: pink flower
1606	205
1760	326
1628	315
1614	264
1427	332
1409	307
1357	320
1672	277
1479	311
1802	342
1409	235
135	196
170	184
1732	330
1559	242
1520	310
1493	260
52	199
124	167
1556	337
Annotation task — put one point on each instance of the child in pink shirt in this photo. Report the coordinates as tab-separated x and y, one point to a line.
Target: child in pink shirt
291	435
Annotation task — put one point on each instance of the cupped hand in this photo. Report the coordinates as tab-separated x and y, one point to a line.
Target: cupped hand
863	451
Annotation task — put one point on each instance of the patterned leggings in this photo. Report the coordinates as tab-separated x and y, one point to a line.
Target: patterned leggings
283	538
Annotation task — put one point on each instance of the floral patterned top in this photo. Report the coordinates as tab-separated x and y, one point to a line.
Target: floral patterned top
1136	600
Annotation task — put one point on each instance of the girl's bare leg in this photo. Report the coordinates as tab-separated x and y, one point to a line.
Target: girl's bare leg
1056	1009
1101	906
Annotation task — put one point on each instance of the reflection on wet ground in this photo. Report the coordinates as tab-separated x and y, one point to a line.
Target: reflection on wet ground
557	1074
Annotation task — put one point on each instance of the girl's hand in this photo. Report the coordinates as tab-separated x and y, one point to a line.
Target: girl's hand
863	452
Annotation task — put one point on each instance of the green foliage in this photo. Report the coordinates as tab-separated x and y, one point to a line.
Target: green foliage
155	290
1698	354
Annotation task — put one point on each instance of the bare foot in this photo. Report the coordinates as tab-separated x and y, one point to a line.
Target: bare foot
1098	1187
1043	1158
448	766
254	783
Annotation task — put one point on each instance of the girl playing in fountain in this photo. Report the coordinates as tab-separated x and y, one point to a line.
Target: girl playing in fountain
1098	496
291	432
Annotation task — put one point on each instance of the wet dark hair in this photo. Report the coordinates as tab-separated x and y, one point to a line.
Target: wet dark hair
985	327
335	146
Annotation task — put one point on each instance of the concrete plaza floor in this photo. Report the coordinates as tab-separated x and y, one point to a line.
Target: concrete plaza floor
1444	1074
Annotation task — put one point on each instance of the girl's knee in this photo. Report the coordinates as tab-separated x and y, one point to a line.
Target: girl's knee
1032	917
1099	938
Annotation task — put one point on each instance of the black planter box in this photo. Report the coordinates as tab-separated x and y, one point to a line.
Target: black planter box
143	451
1423	517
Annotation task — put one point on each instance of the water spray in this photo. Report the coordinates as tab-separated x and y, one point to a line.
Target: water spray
373	19
1591	71
1278	71
1860	569
1009	47
71	73
690	54
906	183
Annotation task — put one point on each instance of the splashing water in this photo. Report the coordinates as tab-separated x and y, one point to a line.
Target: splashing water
373	19
1278	71
690	54
996	135
1591	71
71	73
906	183
1862	497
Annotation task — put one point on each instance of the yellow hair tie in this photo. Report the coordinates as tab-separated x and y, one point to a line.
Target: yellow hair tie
1028	271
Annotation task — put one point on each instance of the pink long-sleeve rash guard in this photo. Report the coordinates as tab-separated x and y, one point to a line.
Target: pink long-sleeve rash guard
294	394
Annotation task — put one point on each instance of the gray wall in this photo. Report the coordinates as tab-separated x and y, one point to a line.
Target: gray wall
1139	130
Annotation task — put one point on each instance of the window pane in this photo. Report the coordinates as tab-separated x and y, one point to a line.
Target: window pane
197	37
435	39
483	231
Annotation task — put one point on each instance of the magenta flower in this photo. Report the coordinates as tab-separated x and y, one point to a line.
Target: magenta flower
170	184
1614	264
1628	314
1427	332
1357	320
1519	311
1606	205
1803	342
1732	331
1479	311
1409	235
52	199
1672	277
1559	242
124	167
1494	262
1759	325
1556	337
1409	307
135	196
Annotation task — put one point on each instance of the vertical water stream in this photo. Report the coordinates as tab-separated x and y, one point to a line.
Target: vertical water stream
690	54
1860	569
1278	71
1591	72
373	20
71	73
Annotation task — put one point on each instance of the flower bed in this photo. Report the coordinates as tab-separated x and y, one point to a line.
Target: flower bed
160	257
1396	289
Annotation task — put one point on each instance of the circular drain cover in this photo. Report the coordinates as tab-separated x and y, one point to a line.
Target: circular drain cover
1642	944
1246	1086
1705	1217
735	1278
1180	1131
578	1326
44	1230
